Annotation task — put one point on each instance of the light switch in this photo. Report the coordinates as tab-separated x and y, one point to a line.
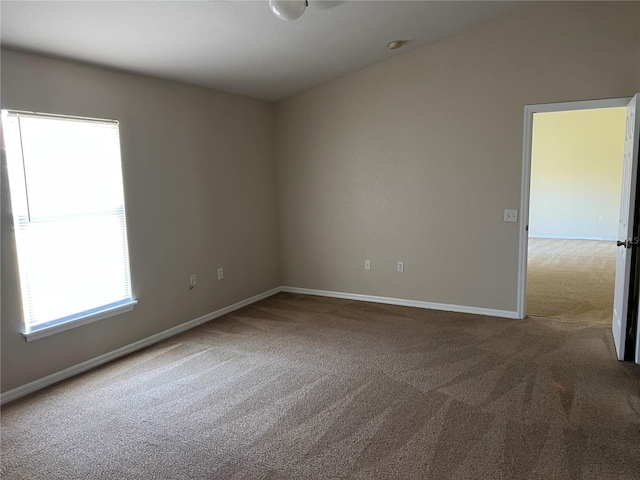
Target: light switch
511	215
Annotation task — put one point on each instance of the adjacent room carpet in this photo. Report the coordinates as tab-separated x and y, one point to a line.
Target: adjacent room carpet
571	280
303	387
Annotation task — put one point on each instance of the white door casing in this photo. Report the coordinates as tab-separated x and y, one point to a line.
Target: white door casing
626	233
529	112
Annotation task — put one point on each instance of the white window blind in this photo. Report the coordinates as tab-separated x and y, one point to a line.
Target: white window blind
67	197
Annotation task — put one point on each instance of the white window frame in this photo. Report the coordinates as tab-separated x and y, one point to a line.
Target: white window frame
78	319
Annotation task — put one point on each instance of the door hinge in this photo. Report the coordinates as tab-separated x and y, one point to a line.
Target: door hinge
628	243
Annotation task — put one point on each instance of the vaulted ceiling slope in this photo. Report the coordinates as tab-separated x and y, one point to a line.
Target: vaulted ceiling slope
236	46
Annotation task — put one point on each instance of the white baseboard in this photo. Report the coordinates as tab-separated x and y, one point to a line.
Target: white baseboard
406	303
41	383
31	387
572	237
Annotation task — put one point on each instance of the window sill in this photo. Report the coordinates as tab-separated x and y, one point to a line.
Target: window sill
46	331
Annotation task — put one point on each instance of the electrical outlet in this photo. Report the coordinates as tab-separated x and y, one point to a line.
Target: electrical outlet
220	274
192	281
511	215
367	264
401	266
601	219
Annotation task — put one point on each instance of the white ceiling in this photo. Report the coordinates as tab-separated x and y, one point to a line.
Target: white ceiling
236	46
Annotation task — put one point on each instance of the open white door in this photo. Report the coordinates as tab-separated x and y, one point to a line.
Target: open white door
626	232
632	145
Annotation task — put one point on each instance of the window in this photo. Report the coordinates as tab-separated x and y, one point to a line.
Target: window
65	178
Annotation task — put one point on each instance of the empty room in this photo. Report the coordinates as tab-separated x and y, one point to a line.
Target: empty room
289	240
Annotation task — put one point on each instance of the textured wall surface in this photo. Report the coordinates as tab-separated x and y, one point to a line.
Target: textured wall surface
576	173
199	178
415	159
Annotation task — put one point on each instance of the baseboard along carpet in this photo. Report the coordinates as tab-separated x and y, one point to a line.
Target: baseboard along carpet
306	387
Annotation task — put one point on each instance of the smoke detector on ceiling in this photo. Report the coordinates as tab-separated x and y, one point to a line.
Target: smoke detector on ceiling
396	44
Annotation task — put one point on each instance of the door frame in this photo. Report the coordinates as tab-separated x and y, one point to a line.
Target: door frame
529	111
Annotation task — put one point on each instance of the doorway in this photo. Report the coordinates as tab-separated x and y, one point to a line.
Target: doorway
574	210
569	216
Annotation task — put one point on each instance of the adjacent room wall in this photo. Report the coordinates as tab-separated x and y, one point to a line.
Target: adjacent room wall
415	159
199	178
576	174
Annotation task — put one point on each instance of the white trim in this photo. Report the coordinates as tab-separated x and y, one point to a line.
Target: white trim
36	333
132	347
529	111
404	302
579	105
26	113
572	237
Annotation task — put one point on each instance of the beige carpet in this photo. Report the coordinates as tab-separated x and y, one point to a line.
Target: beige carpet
571	280
302	387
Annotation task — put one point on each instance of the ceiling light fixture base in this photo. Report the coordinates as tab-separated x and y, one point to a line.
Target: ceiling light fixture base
288	10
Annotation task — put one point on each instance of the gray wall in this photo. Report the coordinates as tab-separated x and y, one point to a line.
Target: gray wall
199	179
416	158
